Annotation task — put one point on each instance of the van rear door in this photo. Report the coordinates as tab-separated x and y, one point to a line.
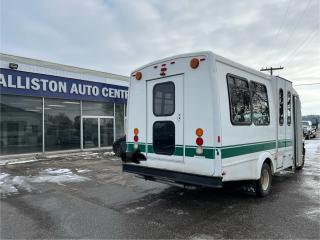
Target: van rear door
165	119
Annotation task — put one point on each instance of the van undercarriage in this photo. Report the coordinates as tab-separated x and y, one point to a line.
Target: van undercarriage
168	176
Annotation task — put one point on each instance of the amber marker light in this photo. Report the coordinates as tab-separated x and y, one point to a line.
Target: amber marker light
138	75
199	132
194	63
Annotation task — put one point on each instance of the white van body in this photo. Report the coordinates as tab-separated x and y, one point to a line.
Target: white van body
234	147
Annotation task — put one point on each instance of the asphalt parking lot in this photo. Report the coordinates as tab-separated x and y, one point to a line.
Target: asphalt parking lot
87	196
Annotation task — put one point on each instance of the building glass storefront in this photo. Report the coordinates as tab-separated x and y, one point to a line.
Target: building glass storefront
48	107
33	124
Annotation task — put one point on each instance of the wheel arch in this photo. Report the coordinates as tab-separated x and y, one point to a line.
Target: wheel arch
264	157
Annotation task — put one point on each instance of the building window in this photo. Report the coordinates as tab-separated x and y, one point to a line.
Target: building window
120	111
97	108
281	110
106	132
62	124
239	100
260	105
289	108
163	99
20	124
164	137
90	133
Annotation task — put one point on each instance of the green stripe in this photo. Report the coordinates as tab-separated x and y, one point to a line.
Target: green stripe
241	150
190	151
226	151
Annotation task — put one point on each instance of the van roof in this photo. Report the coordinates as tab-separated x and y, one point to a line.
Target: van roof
207	53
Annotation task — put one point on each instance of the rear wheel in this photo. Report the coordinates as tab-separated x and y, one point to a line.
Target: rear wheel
263	185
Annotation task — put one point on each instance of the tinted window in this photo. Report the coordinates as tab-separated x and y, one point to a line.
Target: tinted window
289	108
97	109
164	137
260	105
119	110
20	124
163	99
106	132
281	117
62	124
239	100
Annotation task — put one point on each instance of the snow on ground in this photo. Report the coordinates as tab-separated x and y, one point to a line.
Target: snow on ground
10	185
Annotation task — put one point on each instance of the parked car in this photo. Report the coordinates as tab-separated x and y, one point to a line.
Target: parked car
308	130
119	146
315	123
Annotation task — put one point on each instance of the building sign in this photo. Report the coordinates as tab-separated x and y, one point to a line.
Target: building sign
42	85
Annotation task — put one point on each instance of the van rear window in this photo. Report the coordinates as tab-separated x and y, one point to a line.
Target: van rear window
164	137
163	99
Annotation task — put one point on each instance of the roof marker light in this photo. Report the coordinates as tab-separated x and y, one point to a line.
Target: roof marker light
173	62
138	75
194	63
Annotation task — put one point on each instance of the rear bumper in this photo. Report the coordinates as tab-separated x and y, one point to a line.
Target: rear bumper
173	177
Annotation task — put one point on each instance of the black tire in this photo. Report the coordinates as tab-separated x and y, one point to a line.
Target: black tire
117	150
263	185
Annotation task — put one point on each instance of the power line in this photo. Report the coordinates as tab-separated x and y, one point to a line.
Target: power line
295	27
306	84
304	43
279	29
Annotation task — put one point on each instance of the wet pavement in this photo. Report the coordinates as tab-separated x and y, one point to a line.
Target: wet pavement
87	196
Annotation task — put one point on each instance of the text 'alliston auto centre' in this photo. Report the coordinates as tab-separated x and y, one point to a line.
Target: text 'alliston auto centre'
48	107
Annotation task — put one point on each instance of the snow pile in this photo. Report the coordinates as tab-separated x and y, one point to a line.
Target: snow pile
10	185
5	186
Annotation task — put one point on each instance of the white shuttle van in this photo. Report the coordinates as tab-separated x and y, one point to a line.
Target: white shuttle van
200	119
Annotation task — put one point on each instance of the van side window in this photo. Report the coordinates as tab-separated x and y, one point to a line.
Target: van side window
281	112
163	99
289	108
239	100
260	105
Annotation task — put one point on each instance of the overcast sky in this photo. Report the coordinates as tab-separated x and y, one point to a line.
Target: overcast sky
119	36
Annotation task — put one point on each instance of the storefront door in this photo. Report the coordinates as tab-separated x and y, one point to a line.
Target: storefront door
97	132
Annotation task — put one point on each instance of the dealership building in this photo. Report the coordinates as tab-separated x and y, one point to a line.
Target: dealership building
47	107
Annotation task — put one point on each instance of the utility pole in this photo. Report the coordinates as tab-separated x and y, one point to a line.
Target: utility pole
271	69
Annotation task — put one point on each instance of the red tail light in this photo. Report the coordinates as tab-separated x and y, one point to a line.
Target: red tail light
199	141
